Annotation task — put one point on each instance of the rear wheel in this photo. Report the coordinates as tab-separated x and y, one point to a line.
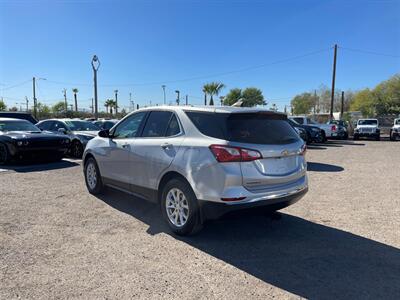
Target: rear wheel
180	208
355	137
378	137
4	156
324	139
391	136
93	180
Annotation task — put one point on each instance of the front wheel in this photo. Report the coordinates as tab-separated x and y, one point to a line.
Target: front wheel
93	180
77	149
378	137
4	156
180	208
391	136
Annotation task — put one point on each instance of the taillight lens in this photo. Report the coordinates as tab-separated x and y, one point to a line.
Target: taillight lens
303	150
225	153
333	128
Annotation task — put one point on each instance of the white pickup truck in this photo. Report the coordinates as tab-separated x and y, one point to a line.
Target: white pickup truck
329	130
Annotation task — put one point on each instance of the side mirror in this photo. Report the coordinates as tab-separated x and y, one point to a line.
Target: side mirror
62	130
105	133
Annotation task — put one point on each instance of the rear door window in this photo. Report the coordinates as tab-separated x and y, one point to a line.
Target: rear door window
299	120
157	124
253	128
46	125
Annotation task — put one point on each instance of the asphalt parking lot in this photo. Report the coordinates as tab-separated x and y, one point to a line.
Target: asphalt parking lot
341	241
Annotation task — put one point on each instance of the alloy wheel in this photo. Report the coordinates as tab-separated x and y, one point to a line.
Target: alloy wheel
177	207
91	176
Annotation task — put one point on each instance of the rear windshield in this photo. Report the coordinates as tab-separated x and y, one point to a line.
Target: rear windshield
82	126
253	128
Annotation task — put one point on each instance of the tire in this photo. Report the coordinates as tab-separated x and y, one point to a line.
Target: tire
185	200
309	139
4	156
391	136
76	149
324	139
355	137
93	180
346	136
378	137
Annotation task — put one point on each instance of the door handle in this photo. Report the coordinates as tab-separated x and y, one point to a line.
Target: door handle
166	146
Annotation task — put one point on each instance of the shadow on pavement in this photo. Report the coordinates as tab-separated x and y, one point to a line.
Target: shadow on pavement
321	167
315	147
343	143
45	166
291	253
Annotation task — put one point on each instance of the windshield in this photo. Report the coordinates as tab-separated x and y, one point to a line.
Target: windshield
254	128
18	126
367	122
81	126
397	122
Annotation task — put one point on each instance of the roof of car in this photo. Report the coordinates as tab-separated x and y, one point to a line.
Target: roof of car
216	109
12	119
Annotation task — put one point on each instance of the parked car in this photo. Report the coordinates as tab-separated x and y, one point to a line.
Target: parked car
367	128
341	129
312	134
328	131
395	130
302	133
21	140
18	115
200	163
79	131
105	124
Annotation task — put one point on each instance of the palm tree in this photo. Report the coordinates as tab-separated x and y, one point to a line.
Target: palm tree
75	91
108	104
213	89
111	104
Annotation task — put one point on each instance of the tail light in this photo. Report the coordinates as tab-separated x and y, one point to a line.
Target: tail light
303	150
333	128
225	153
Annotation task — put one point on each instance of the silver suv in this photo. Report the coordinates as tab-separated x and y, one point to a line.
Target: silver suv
200	163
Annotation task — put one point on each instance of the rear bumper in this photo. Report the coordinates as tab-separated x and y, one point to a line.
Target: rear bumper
213	210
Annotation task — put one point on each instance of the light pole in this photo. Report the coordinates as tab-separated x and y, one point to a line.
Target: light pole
116	102
177	97
95	66
65	101
165	99
34	95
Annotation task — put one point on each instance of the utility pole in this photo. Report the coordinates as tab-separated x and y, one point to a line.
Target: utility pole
165	98
131	104
333	81
95	67
177	97
342	106
92	107
186	99
34	97
315	100
116	102
65	101
27	103
205	98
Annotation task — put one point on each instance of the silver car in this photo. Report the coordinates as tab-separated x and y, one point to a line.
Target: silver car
200	163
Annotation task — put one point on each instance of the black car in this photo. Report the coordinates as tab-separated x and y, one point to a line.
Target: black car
105	124
313	133
341	129
18	115
21	140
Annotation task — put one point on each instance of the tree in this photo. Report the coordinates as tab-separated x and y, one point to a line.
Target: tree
253	96
14	108
303	103
213	89
3	106
364	102
75	91
233	96
43	110
110	103
58	108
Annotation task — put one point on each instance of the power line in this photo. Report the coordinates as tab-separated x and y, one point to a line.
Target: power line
369	52
16	85
202	76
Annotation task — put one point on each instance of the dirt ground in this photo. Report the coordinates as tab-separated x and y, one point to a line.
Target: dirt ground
341	241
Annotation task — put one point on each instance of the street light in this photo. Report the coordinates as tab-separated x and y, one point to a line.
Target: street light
163	87
177	97
95	66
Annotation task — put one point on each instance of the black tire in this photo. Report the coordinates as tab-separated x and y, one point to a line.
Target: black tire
378	137
309	139
193	223
4	156
391	136
76	149
355	137
98	187
345	136
324	139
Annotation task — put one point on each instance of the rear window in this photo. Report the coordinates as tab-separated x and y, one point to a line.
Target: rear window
253	128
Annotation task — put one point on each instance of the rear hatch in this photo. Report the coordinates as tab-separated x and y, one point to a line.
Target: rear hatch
282	161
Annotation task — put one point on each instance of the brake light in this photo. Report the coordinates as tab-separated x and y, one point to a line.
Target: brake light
333	128
303	150
225	153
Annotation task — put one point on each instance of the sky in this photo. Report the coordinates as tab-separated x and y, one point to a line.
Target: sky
281	47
